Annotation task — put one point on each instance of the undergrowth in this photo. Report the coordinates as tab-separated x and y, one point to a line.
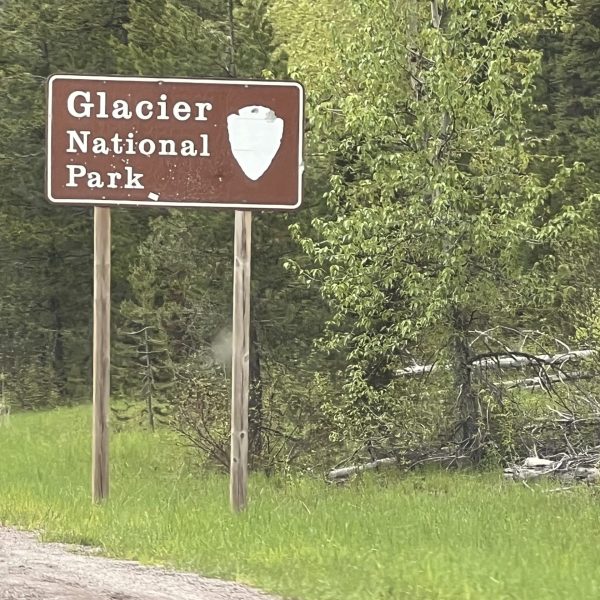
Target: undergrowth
420	537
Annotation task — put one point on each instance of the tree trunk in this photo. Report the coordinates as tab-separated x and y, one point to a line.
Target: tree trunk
148	381
58	347
469	412
255	401
468	432
232	40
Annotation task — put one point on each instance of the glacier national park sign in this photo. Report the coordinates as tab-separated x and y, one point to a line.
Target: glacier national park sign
141	141
174	142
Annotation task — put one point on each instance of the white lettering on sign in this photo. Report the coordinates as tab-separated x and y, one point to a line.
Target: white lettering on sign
85	108
85	105
121	110
80	142
182	111
78	174
98	105
143	110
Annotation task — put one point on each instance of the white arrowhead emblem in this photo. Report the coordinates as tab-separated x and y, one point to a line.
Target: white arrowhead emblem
255	137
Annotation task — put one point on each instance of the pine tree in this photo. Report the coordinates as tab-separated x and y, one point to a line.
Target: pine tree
46	251
569	87
194	38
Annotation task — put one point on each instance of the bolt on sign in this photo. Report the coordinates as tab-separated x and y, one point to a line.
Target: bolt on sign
137	141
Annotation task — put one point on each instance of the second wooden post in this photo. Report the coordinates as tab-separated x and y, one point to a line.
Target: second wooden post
240	377
101	353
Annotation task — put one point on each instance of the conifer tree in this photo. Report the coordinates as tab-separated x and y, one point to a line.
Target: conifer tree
46	250
569	86
194	38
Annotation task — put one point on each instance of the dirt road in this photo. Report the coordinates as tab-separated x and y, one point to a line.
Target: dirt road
30	570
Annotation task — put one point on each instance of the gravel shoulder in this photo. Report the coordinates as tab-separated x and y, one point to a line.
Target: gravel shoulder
31	570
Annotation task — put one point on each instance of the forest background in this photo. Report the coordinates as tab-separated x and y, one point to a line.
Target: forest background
450	218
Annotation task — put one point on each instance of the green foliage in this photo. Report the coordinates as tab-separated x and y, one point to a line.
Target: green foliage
169	38
31	386
192	38
435	205
202	412
442	199
258	50
571	78
173	290
182	292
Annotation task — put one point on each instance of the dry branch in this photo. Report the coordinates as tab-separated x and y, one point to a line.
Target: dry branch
531	383
579	468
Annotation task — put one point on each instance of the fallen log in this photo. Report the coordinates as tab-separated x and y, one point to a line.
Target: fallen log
443	457
508	361
345	472
581	468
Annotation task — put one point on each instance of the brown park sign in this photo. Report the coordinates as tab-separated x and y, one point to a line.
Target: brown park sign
174	142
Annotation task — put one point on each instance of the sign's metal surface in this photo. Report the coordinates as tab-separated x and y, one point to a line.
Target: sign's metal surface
174	142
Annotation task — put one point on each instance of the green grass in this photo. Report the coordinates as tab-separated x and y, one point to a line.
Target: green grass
420	537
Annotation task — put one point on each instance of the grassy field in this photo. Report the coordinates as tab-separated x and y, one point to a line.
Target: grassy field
420	537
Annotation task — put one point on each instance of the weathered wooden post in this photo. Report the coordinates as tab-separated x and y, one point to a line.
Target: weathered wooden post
4	405
240	376
101	353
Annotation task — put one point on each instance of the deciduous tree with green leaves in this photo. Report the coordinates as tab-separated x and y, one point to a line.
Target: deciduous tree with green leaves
435	205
